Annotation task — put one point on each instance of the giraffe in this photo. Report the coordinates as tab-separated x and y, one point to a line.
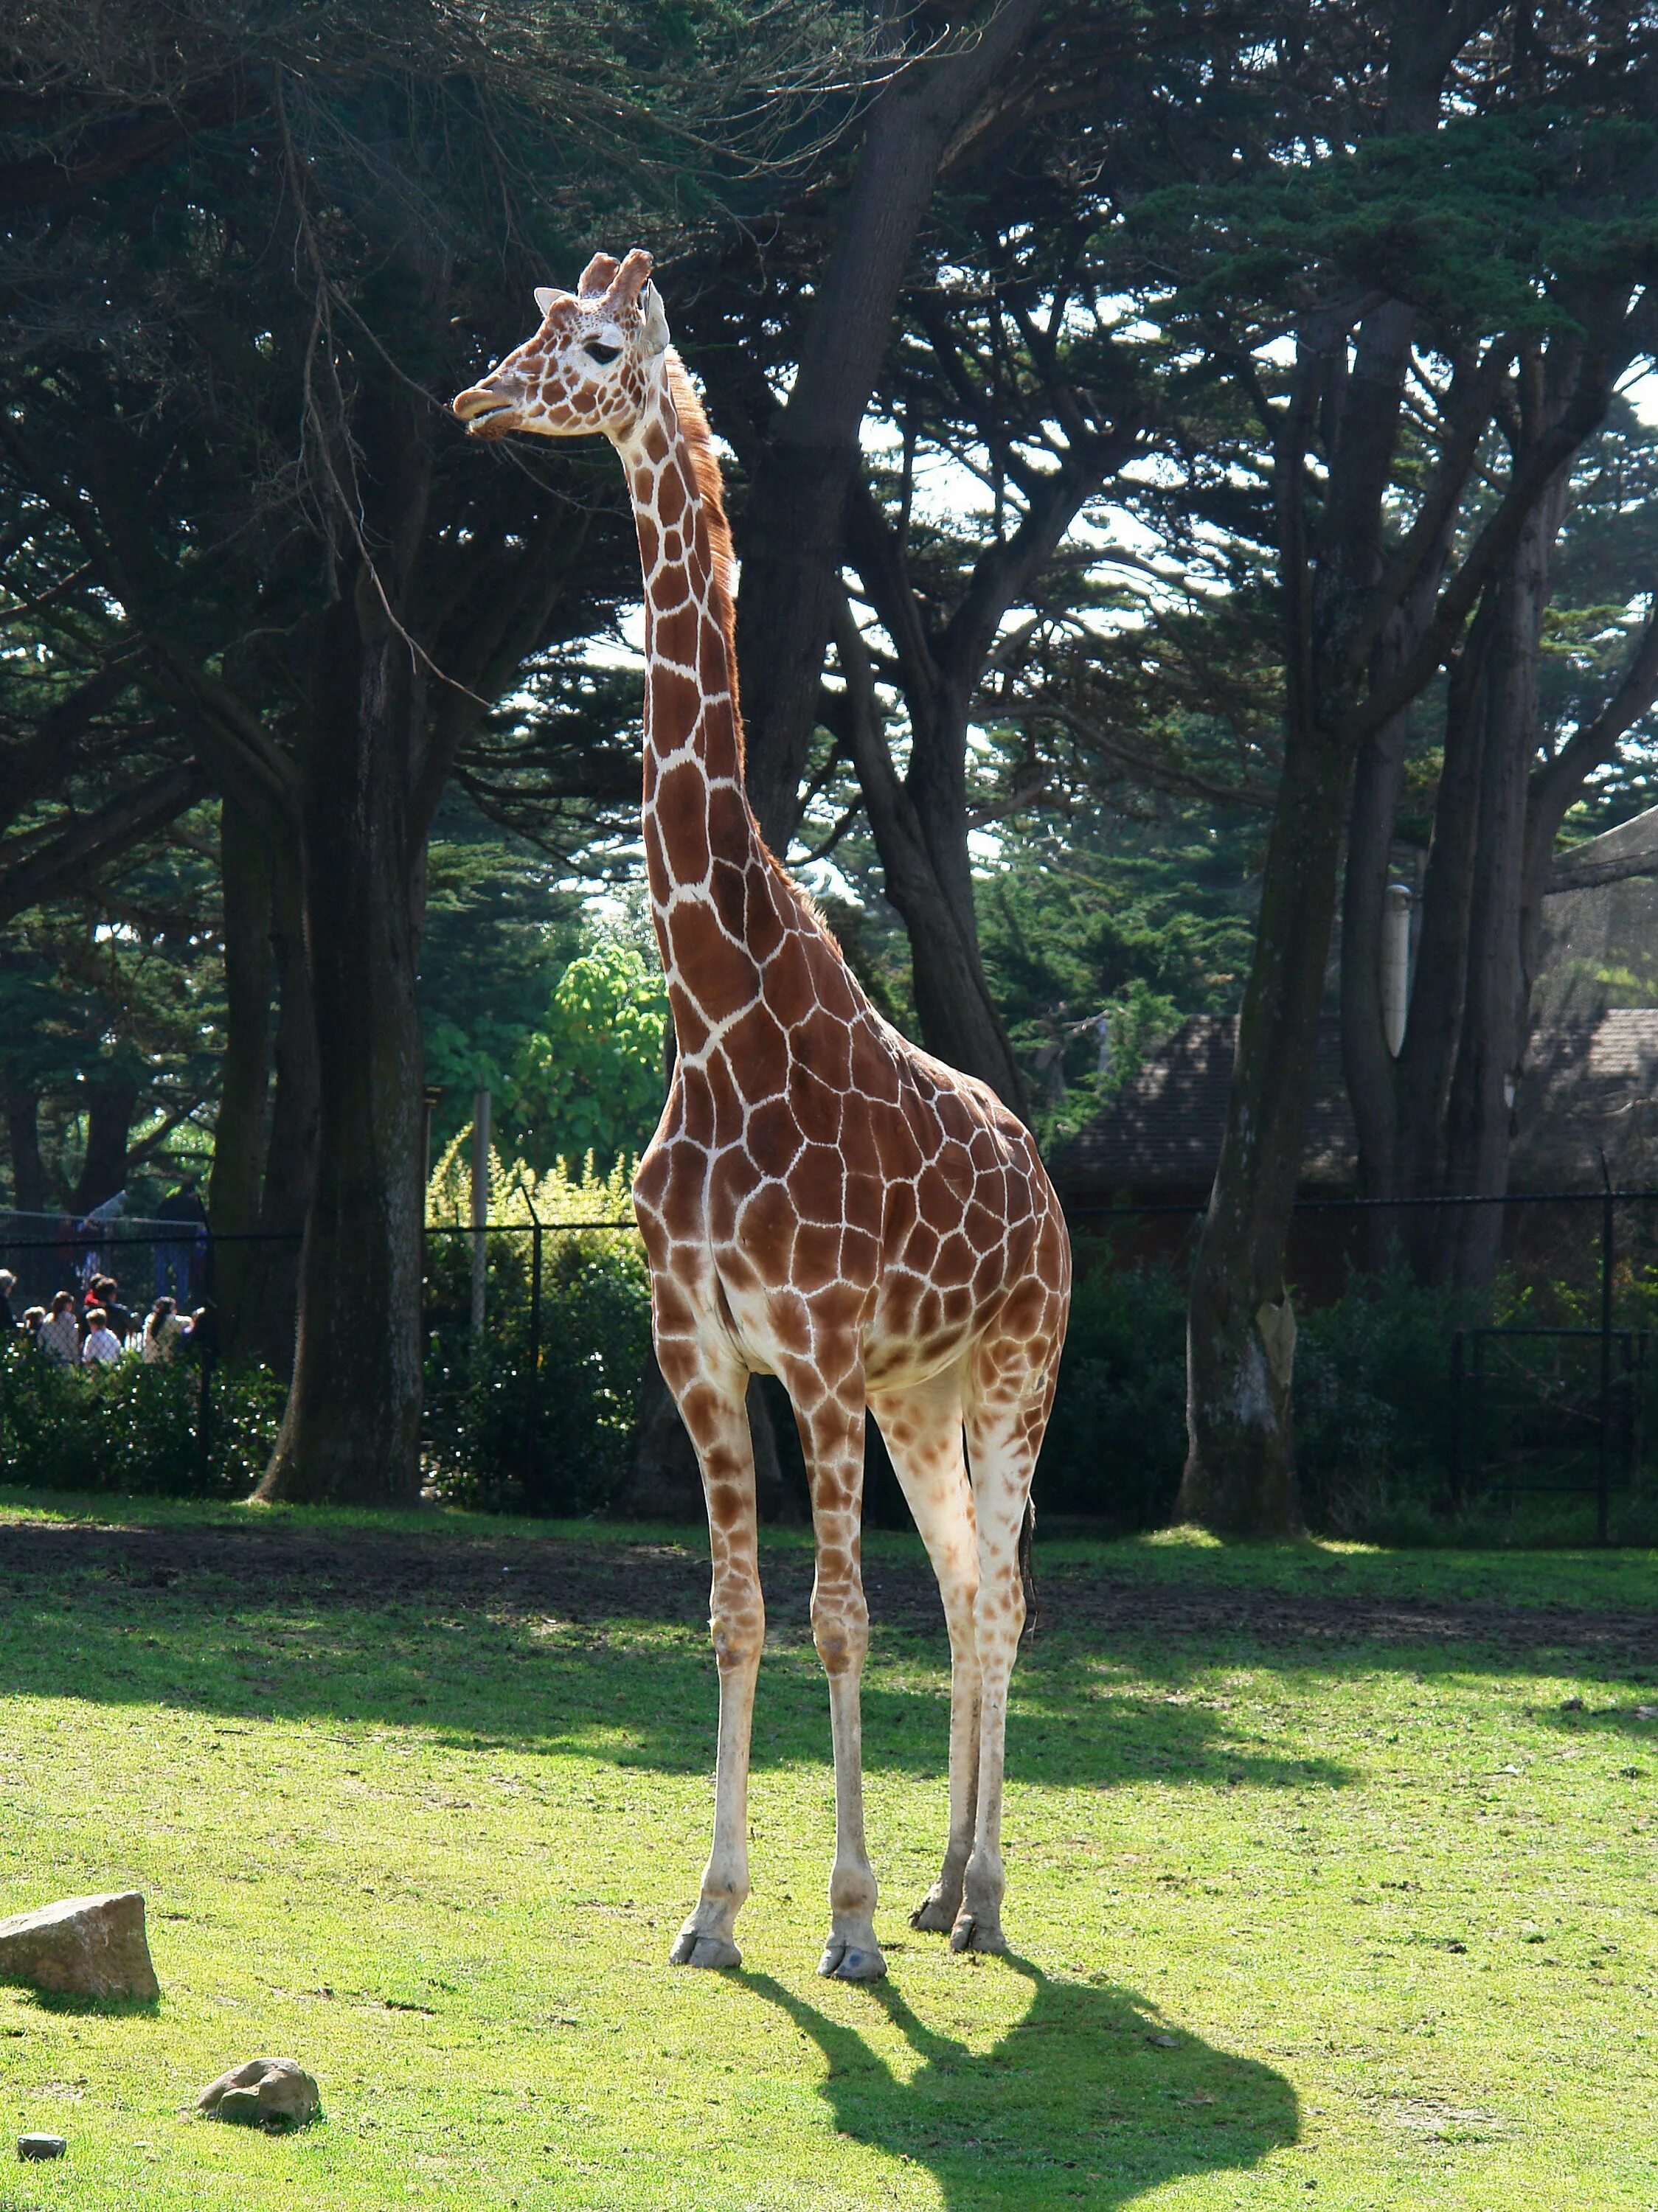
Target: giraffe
821	1201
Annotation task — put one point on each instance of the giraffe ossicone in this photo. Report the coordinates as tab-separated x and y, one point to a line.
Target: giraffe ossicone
821	1201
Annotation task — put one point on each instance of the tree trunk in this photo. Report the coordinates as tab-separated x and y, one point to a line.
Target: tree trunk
1491	1045
271	1293
1240	1470
111	1101
239	1141
1241	1332
352	1426
793	532
28	1170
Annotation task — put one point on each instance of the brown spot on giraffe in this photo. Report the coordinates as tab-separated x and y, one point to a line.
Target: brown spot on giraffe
822	1201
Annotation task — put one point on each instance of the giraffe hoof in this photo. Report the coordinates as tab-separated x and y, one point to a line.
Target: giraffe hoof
692	1949
935	1915
850	1962
971	1934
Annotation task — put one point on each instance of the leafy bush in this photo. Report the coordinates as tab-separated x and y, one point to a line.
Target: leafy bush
492	1441
134	1429
1117	1440
1375	1406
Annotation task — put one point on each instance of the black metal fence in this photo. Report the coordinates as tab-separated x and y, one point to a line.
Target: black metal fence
1543	1393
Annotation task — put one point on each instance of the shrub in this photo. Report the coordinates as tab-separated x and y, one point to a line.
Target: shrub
134	1429
490	1441
1117	1440
1375	1406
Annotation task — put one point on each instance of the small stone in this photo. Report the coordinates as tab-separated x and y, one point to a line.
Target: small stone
82	1947
41	2147
1164	2042
262	2093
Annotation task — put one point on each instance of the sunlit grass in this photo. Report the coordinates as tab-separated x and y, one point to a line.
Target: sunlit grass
1392	1902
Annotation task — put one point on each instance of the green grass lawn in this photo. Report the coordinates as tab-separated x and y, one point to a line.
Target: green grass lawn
1319	1895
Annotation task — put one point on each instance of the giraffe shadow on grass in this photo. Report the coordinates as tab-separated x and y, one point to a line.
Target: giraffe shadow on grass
1077	2103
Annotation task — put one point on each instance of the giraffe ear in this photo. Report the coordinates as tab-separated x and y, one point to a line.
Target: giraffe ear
653	324
629	280
598	275
545	296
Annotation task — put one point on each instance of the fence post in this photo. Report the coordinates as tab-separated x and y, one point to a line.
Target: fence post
1458	1356
535	1363
480	1210
1604	1500
207	1352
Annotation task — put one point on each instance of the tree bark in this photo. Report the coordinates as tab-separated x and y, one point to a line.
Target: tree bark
793	532
111	1100
1491	1043
1240	1470
28	1170
1241	1335
239	1141
271	1293
352	1427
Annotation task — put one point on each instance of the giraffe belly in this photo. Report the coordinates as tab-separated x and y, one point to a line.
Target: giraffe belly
771	1336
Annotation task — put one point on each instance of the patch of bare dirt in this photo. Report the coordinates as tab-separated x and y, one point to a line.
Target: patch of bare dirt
229	1569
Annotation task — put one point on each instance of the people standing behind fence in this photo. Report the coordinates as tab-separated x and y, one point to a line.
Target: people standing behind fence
32	1320
104	1293
102	1346
164	1331
7	1284
59	1334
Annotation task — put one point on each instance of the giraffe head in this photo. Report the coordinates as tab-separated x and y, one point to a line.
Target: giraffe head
589	367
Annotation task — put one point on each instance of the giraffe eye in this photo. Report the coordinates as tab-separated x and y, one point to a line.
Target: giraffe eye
596	349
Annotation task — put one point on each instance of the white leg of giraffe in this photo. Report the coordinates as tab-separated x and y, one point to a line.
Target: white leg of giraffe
711	1400
1004	1428
829	1406
922	1428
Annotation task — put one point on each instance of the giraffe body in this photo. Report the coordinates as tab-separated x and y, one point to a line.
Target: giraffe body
821	1201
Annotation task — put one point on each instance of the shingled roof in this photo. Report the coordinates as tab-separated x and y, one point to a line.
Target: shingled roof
1162	1131
1589	1084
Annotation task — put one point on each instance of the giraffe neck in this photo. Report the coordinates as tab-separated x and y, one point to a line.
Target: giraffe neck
703	848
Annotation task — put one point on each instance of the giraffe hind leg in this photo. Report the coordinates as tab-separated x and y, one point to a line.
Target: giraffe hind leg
922	1430
1005	1426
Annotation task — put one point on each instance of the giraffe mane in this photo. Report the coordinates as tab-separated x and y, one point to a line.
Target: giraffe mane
710	486
711	490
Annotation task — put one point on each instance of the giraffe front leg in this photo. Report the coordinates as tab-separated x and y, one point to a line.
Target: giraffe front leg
832	1431
712	1403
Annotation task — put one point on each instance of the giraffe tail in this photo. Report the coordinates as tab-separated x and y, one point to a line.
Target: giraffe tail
1028	1573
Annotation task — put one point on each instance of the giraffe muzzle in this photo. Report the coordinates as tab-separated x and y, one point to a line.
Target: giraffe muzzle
482	410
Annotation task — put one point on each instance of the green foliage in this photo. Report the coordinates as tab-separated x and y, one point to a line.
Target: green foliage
498	1434
1486	224
1144	920
1375	1407
1116	1439
590	1078
133	1430
498	931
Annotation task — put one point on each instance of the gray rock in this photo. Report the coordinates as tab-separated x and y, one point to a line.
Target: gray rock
264	2092
41	2147
84	1947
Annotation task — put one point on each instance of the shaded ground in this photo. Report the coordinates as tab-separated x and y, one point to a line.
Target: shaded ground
584	1583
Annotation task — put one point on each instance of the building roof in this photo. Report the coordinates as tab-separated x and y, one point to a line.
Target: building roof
1589	1084
1162	1131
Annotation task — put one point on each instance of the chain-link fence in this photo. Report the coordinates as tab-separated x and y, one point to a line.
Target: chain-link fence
1414	1403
